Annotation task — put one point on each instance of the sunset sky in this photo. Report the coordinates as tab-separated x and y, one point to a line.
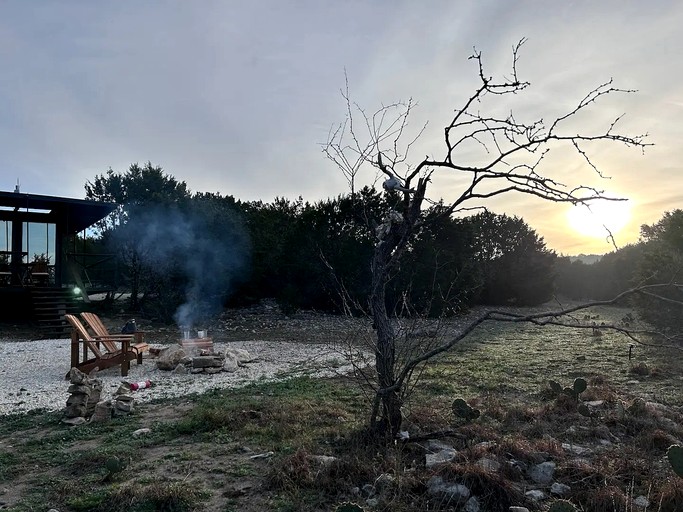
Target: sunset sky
236	97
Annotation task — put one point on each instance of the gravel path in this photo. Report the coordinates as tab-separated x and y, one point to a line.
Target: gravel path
32	372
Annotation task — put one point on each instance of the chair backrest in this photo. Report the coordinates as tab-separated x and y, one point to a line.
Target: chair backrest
93	321
83	334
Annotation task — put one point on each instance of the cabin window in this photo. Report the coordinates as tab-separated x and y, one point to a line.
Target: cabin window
5	240
39	241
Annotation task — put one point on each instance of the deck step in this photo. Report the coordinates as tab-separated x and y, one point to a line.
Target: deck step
49	307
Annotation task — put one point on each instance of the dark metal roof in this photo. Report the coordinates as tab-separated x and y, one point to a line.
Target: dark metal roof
73	214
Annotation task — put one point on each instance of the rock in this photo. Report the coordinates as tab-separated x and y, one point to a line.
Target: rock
517	466
141	432
265	455
212	371
230	364
441	457
75	411
559	489
76	376
641	502
535	495
489	465
575	449
542	473
123	389
103	412
241	355
77	400
324	460
122	405
84	394
595	403
78	420
181	369
170	357
440	453
472	505
434	445
436	486
207	362
80	389
518	509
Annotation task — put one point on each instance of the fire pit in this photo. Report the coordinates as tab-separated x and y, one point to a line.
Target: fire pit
202	341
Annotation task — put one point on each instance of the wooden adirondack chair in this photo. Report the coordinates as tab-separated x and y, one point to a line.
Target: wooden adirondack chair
89	352
136	342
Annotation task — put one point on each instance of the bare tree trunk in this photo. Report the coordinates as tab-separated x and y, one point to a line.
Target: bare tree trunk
387	254
389	410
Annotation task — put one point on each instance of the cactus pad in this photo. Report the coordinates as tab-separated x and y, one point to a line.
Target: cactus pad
675	456
562	506
462	409
580	385
349	507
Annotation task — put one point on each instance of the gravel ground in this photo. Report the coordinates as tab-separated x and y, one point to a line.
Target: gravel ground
32	372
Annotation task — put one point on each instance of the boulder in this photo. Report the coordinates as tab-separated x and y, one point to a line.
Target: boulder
230	363
448	491
170	357
207	362
241	355
542	473
103	412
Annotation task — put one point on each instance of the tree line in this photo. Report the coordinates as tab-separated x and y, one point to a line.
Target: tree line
307	255
657	259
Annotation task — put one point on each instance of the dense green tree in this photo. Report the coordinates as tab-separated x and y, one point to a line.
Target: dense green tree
662	263
516	266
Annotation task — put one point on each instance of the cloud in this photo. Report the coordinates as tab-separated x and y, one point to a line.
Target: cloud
235	97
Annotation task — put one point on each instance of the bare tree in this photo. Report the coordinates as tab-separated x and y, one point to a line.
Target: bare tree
511	158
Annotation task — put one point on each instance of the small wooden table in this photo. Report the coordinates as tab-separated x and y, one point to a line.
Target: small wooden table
199	343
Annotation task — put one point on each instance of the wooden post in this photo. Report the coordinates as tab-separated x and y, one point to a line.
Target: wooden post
75	349
125	364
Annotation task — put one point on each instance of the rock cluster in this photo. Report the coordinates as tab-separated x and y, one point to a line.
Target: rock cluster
84	403
84	394
175	358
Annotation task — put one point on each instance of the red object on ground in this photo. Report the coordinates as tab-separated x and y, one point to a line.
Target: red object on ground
140	385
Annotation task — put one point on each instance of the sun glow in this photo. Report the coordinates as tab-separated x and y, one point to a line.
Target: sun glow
601	216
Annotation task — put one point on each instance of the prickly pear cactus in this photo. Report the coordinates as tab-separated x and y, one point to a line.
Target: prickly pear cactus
349	507
555	387
463	410
114	465
562	506
577	388
584	410
675	456
580	386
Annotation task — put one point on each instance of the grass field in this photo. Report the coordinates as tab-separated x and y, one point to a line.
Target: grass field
268	446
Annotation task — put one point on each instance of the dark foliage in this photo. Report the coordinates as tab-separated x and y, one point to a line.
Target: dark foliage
186	255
